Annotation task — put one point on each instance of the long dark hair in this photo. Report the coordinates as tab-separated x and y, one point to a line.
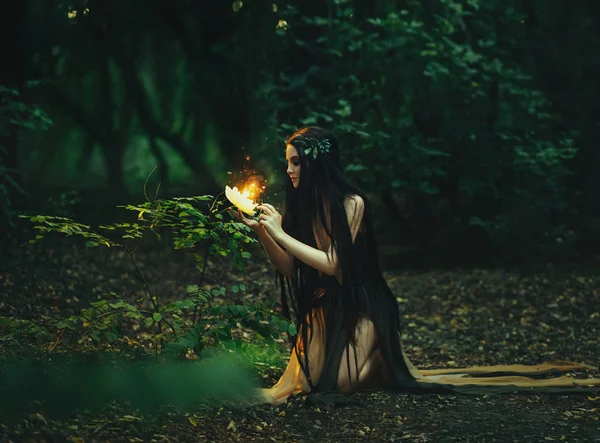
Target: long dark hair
315	214
318	204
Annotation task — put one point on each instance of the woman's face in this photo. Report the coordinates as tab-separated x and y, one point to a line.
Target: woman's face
293	164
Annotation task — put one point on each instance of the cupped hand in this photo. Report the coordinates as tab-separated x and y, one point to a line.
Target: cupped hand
271	220
250	222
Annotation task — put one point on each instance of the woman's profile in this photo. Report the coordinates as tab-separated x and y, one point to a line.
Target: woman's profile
348	322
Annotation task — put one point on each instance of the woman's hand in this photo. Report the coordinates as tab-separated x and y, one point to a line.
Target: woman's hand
281	259
271	220
250	222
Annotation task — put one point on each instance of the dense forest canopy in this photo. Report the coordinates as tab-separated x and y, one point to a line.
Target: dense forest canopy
472	122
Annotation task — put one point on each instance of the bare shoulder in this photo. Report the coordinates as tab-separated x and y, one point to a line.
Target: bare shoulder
355	206
354	202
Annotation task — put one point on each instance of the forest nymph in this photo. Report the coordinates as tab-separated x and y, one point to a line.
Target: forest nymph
349	332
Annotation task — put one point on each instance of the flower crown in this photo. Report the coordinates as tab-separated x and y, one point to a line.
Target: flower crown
322	147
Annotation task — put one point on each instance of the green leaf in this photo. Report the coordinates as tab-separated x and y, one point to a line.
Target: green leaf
88	313
120	304
292	329
110	336
157	316
235	289
148	321
243	287
91	244
355	168
246	255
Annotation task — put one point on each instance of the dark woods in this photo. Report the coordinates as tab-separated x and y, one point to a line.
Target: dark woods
474	125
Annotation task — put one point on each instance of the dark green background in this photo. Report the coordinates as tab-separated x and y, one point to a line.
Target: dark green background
472	124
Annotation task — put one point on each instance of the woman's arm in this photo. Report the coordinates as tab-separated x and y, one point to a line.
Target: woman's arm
325	262
282	260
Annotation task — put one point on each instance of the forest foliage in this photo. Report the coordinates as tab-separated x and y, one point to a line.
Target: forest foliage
471	121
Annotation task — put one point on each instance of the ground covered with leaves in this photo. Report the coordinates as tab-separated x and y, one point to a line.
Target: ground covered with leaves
451	319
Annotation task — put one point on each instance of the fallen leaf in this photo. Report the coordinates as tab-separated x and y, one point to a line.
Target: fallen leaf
130	418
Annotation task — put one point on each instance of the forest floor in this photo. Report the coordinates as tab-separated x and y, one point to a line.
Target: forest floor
461	317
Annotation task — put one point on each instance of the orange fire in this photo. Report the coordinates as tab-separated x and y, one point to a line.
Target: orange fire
252	190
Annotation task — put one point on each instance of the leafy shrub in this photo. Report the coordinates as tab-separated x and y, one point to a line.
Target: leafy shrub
190	323
18	327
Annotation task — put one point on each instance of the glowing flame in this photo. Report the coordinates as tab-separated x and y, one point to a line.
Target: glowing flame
251	191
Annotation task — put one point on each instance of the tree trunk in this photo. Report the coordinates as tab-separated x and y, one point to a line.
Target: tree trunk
114	165
163	167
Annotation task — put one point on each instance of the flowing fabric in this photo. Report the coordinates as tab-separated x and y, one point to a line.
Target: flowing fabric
364	293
